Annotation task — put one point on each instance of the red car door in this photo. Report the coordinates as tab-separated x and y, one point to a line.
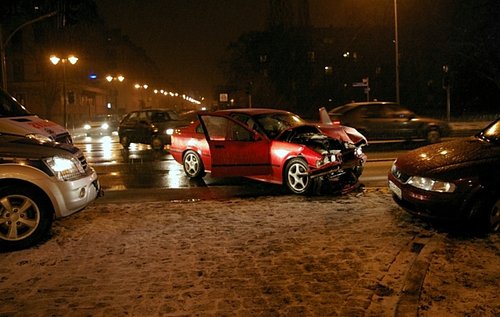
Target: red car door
235	149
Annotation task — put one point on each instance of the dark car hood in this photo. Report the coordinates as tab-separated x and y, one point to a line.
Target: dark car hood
432	160
15	146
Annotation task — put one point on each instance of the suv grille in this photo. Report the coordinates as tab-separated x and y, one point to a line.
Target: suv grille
83	161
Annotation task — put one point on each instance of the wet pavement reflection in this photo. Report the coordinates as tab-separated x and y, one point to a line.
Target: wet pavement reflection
140	166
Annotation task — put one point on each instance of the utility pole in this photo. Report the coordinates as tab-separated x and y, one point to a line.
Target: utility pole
396	48
446	87
3	45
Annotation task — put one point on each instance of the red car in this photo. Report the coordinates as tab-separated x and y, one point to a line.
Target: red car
270	145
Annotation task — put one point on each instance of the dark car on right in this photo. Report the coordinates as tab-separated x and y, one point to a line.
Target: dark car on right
149	126
389	120
454	180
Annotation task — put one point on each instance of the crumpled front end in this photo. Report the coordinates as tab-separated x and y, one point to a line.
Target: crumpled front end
341	162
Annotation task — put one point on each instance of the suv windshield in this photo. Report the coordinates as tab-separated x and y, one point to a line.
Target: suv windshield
9	107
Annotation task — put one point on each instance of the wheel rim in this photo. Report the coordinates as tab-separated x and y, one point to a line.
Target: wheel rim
433	136
191	164
157	144
19	217
495	216
298	178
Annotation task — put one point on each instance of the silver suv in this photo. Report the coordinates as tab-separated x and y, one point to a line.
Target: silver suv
40	181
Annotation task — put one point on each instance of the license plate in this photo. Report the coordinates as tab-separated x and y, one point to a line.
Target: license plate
395	189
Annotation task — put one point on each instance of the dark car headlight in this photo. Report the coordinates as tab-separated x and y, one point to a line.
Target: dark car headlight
358	151
327	158
430	184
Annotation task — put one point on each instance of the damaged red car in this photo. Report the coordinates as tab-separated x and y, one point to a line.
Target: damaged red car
273	146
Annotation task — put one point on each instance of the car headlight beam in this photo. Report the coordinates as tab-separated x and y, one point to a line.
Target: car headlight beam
430	184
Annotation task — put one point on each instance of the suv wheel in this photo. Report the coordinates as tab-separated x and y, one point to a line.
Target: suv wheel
25	218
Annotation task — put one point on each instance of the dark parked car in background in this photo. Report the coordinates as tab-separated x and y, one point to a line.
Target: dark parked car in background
40	181
389	120
458	179
152	126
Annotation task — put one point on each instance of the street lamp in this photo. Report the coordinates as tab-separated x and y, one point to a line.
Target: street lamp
114	90
72	60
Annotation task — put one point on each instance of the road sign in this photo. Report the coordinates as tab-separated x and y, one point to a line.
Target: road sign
360	84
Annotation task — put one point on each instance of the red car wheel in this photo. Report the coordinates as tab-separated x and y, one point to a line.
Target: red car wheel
297	178
193	166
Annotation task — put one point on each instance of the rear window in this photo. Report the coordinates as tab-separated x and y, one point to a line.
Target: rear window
9	107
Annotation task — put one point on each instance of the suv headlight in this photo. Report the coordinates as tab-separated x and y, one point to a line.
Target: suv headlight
431	184
65	168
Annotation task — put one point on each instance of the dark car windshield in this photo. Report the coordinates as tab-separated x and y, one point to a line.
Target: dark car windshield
492	133
275	123
162	116
9	107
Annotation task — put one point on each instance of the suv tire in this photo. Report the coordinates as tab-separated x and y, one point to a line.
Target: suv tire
25	217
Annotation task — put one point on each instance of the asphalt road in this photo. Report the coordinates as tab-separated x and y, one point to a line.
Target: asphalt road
223	249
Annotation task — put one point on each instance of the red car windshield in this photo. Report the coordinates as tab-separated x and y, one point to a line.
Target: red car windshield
275	123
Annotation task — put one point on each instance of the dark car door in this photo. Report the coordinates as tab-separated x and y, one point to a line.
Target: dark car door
143	128
375	121
235	150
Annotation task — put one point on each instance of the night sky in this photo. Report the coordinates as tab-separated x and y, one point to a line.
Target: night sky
187	38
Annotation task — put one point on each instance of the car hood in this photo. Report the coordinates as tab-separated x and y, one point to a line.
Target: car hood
433	160
15	146
312	137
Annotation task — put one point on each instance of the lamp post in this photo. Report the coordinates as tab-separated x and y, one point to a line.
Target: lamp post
3	45
114	91
72	60
396	47
142	88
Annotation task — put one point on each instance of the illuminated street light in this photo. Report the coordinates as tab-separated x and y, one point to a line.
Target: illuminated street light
114	91
120	78
72	60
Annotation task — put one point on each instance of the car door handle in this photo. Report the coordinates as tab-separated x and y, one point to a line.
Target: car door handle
219	146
